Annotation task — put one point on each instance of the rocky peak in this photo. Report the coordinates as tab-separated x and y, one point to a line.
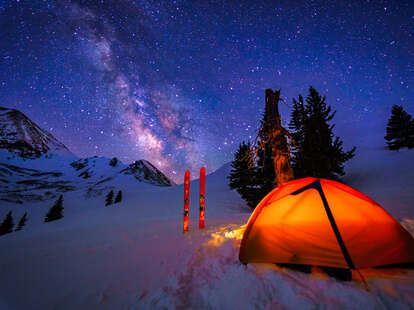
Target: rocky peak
144	171
20	135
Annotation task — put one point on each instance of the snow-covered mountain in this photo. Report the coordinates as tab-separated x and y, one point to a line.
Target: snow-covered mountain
20	135
134	255
101	170
144	171
43	178
35	166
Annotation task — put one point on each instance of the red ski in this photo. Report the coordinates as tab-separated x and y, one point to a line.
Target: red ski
186	200
202	200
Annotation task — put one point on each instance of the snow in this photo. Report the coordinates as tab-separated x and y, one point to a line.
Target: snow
385	176
15	127
41	179
133	255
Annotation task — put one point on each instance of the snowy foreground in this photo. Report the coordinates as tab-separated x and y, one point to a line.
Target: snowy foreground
134	255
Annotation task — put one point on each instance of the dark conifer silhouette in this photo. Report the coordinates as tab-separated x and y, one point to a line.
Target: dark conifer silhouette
317	152
240	166
109	198
268	163
244	175
118	197
7	225
55	212
22	222
400	129
264	174
113	162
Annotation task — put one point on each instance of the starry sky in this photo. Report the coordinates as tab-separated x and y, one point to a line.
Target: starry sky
181	83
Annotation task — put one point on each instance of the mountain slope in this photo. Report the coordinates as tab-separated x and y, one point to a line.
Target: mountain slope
133	255
144	171
20	135
42	179
35	166
385	176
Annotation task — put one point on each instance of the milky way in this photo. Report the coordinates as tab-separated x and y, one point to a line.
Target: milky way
181	83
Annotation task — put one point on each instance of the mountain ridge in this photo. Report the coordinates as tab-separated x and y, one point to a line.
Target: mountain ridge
36	166
20	135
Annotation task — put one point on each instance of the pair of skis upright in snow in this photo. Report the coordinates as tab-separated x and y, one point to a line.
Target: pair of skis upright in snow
187	199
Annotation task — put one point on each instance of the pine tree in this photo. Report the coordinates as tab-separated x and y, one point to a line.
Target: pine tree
400	129
296	126
317	152
265	171
55	212
268	163
109	197
7	225
22	222
113	162
240	165
243	175
297	120
118	197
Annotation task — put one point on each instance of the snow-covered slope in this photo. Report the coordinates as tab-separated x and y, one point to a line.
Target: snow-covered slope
35	166
133	255
385	176
144	171
43	178
20	135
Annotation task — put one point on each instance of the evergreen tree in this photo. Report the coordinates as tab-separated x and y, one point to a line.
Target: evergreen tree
55	212
22	222
297	120
296	126
268	160
317	152
118	197
243	175
400	129
265	171
109	197
113	162
7	225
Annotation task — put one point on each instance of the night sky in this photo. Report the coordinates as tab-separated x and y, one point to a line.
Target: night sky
181	83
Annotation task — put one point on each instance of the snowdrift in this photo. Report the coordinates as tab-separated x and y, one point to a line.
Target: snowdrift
133	255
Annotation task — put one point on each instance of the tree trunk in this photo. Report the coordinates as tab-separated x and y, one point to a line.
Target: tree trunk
277	137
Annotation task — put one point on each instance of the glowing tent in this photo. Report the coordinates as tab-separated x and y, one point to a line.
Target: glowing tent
323	223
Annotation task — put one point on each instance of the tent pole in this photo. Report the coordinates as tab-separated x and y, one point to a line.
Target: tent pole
317	185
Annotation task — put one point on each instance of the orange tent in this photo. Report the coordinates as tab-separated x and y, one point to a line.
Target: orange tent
323	223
